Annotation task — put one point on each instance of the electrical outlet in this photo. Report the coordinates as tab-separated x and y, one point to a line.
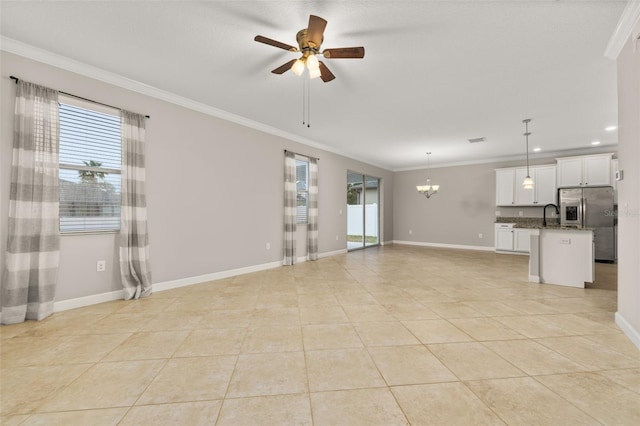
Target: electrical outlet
410	231
268	246
498	213
340	212
337	238
480	235
520	213
101	265
565	241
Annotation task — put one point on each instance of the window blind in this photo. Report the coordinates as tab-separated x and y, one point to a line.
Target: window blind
90	161
302	177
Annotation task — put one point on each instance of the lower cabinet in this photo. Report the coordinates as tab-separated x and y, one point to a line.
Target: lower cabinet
504	239
512	239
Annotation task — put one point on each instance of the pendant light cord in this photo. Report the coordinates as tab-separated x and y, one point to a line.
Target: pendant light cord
526	134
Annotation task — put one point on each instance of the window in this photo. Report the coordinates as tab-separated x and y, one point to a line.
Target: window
302	179
90	158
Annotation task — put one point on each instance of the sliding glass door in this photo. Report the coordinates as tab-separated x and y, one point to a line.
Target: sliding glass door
363	212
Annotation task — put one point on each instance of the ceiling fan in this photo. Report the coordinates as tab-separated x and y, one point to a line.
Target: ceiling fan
309	41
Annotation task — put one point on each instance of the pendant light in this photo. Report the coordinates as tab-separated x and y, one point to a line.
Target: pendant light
528	182
428	189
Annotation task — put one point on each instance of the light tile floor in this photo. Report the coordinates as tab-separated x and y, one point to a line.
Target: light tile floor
388	335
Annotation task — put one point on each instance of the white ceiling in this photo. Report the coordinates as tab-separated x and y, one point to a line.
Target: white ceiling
435	73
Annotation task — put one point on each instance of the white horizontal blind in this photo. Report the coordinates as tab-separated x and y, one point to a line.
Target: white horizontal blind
302	178
90	159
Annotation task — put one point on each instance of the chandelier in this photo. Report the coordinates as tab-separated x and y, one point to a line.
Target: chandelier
428	189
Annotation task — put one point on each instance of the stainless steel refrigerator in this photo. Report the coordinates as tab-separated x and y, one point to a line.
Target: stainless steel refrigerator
591	208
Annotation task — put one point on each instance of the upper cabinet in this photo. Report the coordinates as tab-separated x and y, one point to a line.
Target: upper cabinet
505	179
509	191
588	170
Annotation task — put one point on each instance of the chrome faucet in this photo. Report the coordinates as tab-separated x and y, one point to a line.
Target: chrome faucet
544	213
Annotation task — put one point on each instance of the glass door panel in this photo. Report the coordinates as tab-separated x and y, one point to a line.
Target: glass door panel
363	210
371	208
355	211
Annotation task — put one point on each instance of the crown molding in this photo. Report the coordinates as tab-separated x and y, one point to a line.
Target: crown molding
49	58
624	29
551	155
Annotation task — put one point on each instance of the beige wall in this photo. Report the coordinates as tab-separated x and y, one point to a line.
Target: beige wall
628	314
206	213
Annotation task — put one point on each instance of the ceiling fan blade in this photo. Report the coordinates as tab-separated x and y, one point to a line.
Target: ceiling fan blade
315	30
283	68
325	74
344	52
271	42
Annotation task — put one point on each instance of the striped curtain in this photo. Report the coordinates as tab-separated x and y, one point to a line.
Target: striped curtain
312	226
33	243
290	202
134	237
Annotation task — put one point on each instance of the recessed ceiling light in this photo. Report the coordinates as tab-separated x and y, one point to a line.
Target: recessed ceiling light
595	143
610	128
538	149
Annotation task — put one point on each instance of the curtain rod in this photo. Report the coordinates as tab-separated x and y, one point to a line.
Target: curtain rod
78	97
308	156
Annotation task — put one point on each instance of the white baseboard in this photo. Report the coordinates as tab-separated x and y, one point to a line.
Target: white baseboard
517	253
439	245
80	302
628	330
183	282
534	279
332	253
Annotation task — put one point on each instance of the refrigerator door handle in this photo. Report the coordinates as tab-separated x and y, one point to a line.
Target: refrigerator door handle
584	213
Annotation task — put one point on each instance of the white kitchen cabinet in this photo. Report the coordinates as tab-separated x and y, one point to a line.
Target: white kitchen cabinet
510	239
505	179
587	170
525	196
544	188
545	185
521	240
504	239
569	172
597	171
509	190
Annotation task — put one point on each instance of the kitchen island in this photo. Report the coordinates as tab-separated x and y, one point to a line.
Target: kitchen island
562	256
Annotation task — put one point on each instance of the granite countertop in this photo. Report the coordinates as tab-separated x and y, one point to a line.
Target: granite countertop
553	227
536	223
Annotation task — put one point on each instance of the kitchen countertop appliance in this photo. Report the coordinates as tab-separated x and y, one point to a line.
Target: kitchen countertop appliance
591	207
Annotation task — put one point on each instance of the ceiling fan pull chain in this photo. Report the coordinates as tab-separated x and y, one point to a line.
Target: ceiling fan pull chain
304	103
309	103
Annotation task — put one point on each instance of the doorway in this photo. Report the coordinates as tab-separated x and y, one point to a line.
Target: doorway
363	211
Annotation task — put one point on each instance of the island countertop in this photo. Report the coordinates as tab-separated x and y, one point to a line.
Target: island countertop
552	227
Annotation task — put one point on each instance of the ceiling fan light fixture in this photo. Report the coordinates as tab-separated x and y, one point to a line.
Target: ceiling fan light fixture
313	63
314	73
298	67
